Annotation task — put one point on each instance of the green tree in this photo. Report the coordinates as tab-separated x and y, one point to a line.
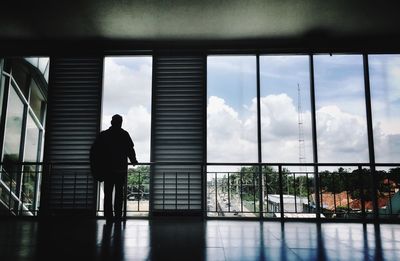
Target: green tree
139	177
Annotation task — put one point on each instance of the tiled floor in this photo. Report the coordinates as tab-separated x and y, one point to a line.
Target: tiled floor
168	239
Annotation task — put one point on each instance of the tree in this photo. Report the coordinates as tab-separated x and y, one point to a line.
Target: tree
138	178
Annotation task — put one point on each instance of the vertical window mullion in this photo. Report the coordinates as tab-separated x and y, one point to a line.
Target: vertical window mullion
314	137
370	135
259	169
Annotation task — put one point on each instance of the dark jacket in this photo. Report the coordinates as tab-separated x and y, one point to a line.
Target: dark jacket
110	153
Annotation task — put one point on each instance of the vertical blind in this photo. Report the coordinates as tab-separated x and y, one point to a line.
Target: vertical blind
178	133
73	121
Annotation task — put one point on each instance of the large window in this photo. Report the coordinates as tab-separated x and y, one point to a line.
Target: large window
24	92
285	109
384	73
127	91
285	124
340	108
231	109
13	134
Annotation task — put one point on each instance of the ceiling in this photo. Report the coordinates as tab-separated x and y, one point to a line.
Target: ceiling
219	24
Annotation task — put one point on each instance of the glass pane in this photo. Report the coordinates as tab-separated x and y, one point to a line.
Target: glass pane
31	141
43	63
285	109
384	73
231	109
127	91
36	101
21	75
12	138
33	60
28	186
340	108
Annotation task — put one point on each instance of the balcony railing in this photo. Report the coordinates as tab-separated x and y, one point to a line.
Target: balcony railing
278	190
19	189
328	191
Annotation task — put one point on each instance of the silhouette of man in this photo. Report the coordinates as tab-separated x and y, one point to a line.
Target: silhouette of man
117	146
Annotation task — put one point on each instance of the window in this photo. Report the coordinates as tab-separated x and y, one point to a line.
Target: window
37	101
384	73
231	109
340	108
127	91
285	109
13	133
25	87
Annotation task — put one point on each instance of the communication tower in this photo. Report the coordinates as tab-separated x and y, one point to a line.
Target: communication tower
302	150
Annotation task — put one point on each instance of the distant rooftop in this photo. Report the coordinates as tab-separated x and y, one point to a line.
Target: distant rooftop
287	199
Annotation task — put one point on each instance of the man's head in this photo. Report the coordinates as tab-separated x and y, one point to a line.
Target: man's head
116	121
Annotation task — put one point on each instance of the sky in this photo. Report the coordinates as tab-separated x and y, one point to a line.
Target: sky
232	106
127	91
340	108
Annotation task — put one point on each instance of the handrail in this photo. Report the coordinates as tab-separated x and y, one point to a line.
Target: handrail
327	164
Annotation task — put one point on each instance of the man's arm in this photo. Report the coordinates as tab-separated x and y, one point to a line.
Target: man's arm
131	150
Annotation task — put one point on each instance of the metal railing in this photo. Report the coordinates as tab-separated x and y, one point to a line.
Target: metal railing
19	189
247	190
137	192
292	190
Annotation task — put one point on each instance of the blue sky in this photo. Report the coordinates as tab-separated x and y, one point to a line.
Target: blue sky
340	104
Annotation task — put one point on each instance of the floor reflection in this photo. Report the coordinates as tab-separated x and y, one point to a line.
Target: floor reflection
188	239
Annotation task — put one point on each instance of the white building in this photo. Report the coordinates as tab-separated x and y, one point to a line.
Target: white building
291	203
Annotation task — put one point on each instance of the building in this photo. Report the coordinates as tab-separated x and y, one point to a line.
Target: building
290	203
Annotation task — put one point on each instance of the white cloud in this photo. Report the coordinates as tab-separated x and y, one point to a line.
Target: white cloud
137	121
342	136
387	146
125	87
226	134
127	91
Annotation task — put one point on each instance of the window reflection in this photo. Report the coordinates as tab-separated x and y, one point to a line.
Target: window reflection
12	138
36	101
31	141
25	82
21	76
384	73
13	128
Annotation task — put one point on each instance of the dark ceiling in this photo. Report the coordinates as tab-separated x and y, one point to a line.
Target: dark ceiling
269	24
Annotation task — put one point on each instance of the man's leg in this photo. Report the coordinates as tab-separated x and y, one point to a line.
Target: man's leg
108	209
119	199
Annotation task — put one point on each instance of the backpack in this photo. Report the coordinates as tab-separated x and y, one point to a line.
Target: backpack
97	160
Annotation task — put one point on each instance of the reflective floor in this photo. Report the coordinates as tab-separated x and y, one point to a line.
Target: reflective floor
196	240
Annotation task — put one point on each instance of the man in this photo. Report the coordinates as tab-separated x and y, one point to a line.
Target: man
116	146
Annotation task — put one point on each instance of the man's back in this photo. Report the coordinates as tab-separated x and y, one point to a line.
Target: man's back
117	146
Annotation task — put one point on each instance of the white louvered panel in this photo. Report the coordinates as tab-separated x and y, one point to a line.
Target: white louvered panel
73	121
178	133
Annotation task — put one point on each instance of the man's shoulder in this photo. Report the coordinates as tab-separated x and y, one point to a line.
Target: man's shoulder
124	132
109	133
103	133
